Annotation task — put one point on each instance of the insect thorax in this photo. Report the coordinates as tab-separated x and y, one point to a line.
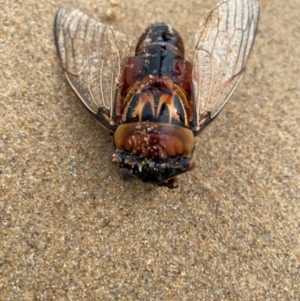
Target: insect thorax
156	99
153	140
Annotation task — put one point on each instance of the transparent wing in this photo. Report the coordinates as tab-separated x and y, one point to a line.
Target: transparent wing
92	56
223	45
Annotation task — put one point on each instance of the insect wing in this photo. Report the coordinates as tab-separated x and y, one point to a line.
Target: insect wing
92	56
223	45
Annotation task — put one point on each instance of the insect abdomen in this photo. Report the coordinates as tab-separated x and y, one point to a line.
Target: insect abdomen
159	52
160	46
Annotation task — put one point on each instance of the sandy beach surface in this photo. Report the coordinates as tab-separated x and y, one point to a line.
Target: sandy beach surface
72	229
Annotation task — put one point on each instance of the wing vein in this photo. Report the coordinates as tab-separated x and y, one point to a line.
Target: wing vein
91	55
223	45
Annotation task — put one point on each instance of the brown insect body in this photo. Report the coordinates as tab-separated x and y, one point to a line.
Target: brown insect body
153	140
156	102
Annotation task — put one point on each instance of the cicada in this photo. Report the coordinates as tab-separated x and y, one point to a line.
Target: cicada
154	102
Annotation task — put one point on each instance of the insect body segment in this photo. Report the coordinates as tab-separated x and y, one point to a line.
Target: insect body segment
154	141
157	81
155	102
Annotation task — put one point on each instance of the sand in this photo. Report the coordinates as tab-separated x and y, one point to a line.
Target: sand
72	229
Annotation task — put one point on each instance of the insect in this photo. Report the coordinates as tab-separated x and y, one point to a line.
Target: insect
155	102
